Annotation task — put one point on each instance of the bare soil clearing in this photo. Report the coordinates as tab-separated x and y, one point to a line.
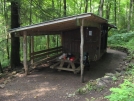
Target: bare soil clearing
45	84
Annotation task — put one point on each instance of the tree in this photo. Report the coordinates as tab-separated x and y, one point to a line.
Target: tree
86	6
64	12
100	9
130	15
115	11
108	7
90	6
15	41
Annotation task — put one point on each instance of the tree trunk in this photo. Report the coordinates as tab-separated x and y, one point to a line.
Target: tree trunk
64	13
100	10
108	7
53	8
129	16
15	41
115	12
1	68
90	5
81	51
30	20
86	6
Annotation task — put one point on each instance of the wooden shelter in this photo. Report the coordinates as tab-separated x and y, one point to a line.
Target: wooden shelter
84	33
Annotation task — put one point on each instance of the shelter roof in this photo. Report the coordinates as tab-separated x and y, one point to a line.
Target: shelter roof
64	23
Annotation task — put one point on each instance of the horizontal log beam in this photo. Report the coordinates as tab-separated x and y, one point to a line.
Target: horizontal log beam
46	50
45	54
36	33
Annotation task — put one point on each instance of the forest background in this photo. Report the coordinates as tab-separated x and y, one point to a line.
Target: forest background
118	12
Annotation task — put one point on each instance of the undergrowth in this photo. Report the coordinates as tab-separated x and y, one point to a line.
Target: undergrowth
125	91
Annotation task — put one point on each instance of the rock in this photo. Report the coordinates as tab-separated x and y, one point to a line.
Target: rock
132	61
101	83
118	74
109	74
124	68
2	85
118	69
107	79
14	72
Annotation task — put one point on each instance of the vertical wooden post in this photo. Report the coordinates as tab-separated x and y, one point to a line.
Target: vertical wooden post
32	47
81	51
25	52
47	43
57	43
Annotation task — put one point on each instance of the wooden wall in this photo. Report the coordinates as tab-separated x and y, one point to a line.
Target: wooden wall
92	42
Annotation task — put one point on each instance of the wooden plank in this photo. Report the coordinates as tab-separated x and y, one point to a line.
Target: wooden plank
45	54
34	53
45	60
25	52
54	65
32	48
67	69
81	51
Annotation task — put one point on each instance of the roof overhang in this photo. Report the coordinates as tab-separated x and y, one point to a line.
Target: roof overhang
62	24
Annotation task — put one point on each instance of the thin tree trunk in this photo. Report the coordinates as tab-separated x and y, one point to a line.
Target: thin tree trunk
81	6
15	41
115	12
25	53
118	16
90	5
81	51
30	21
53	7
64	13
108	7
100	10
129	16
86	6
1	67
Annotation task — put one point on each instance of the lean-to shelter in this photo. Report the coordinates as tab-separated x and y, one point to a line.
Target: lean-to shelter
80	34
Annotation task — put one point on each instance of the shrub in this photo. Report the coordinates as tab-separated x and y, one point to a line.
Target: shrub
124	93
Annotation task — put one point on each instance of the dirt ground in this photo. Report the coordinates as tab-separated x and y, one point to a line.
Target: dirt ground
45	84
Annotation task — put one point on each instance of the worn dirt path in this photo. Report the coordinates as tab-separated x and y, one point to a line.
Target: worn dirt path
45	84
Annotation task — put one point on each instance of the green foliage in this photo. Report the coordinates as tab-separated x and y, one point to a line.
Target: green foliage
124	93
88	87
124	40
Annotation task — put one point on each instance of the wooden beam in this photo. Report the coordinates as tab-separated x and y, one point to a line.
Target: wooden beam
25	52
87	23
37	33
81	51
32	48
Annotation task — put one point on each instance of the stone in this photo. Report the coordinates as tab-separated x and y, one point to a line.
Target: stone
2	85
109	74
101	83
118	69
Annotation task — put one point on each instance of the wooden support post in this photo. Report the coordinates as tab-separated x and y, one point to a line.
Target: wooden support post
81	51
57	43
47	43
32	48
25	52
